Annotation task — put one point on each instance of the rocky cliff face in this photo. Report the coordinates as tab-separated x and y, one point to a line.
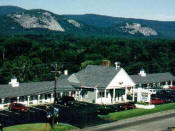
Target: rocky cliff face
75	23
42	20
15	21
137	28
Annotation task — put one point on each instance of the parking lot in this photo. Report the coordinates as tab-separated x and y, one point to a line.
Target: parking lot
78	114
33	115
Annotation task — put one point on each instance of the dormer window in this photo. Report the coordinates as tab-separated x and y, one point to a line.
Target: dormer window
142	73
14	82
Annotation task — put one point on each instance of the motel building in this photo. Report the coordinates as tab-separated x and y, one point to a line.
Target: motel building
100	84
103	84
33	93
148	84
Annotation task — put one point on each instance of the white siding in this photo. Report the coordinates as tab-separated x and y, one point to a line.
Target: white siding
122	79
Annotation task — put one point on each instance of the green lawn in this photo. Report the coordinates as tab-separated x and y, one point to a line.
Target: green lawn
136	112
39	127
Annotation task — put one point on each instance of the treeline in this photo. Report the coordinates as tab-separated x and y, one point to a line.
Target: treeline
31	58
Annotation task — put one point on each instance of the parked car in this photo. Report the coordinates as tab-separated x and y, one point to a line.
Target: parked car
172	87
18	107
66	100
127	106
157	101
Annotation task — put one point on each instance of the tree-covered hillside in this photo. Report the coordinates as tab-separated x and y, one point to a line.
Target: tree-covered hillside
30	57
5	10
165	29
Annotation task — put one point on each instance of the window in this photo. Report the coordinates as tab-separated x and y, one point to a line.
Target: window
31	98
107	94
86	96
47	96
101	94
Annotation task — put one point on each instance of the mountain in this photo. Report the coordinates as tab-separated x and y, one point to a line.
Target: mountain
15	20
163	28
35	22
5	10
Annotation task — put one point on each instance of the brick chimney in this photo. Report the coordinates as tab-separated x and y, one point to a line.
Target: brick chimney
106	63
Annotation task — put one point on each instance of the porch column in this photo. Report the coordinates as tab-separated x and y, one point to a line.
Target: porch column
171	83
133	97
75	96
69	93
105	93
153	84
159	84
2	100
149	97
113	95
96	93
51	98
61	94
17	99
139	95
147	85
81	94
2	104
28	99
38	99
126	94
166	83
140	85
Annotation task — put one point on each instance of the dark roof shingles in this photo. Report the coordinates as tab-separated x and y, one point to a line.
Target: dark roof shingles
96	76
34	88
153	78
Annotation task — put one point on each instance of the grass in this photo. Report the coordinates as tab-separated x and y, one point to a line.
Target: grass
39	127
136	112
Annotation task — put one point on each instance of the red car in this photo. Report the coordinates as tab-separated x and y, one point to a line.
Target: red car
157	101
172	87
18	107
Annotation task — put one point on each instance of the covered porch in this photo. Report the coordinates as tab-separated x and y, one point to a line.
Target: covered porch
31	100
115	95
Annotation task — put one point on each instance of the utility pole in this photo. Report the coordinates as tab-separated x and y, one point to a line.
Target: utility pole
54	92
55	82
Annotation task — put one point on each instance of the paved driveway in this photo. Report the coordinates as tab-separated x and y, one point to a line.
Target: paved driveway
35	114
153	122
156	125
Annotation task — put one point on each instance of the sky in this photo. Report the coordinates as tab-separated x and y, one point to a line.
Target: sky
163	10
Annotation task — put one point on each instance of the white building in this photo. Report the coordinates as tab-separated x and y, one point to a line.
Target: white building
102	85
94	84
33	93
148	84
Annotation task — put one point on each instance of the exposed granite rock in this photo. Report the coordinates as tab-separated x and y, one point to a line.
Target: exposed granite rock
44	20
136	27
75	23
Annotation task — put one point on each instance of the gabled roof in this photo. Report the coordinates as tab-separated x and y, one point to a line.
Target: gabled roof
34	88
94	76
63	84
152	78
25	89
